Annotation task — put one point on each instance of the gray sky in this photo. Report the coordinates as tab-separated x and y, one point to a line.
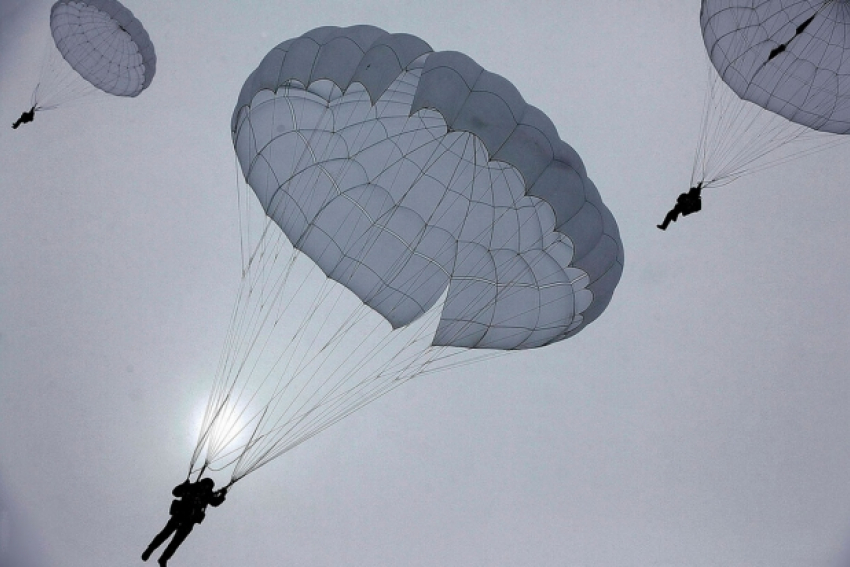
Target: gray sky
701	421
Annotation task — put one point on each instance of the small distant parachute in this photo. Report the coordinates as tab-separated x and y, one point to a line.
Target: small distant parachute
416	211
97	46
780	84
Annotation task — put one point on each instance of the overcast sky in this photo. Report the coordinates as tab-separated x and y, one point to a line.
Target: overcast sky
701	421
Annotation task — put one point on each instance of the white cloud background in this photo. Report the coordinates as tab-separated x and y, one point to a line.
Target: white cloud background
701	421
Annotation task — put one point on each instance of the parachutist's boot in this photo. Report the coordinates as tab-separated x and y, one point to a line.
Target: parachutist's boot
162	562
147	553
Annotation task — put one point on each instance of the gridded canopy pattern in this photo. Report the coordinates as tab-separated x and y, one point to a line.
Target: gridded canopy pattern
788	56
105	44
403	172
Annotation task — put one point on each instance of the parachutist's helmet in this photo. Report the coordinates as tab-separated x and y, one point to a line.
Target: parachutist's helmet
207	483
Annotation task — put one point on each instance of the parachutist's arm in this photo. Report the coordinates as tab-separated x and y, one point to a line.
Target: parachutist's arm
218	497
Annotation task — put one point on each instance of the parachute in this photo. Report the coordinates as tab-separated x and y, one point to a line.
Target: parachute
97	46
441	213
791	59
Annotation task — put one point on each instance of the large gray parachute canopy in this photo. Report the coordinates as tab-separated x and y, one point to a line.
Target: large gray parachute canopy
407	174
103	42
790	57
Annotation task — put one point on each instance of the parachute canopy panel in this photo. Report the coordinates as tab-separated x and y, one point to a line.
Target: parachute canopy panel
103	42
406	174
792	58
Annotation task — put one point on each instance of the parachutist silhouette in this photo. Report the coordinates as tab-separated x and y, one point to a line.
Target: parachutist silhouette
27	116
686	203
185	513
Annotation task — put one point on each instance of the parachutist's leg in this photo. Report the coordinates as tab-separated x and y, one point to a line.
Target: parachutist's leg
183	530
671	217
169	528
27	116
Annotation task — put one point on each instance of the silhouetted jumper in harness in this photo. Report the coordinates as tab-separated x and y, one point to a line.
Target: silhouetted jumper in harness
185	513
27	116
686	203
